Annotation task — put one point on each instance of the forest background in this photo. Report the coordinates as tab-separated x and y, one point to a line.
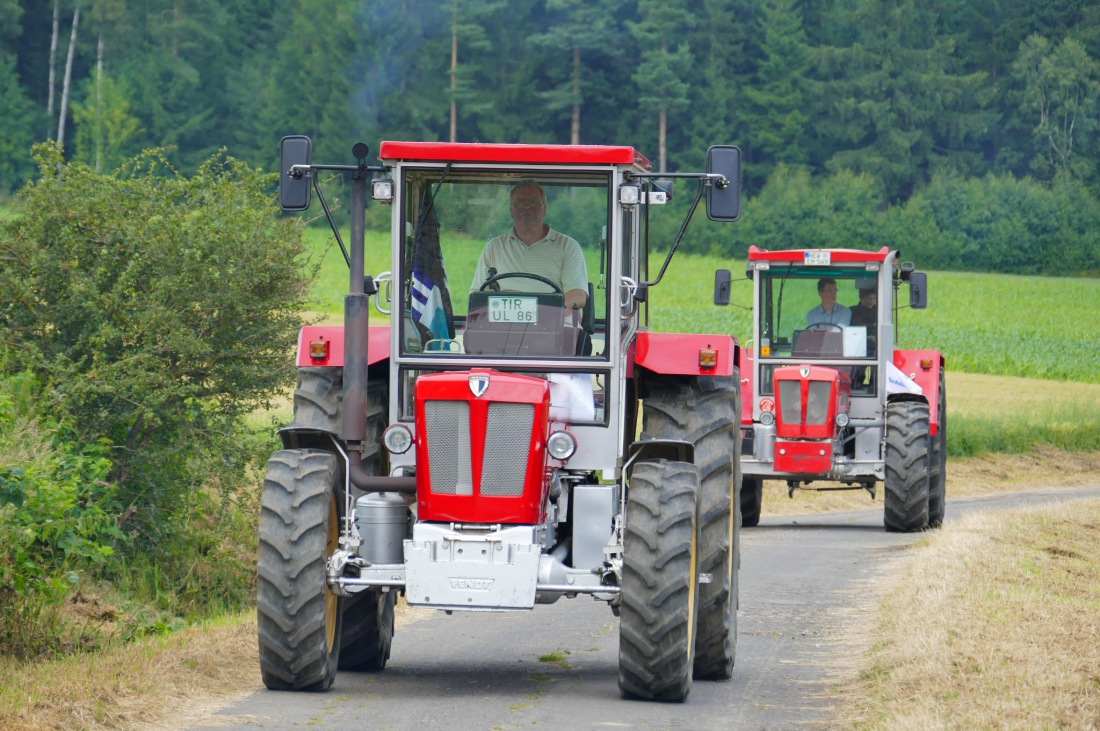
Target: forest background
966	133
137	361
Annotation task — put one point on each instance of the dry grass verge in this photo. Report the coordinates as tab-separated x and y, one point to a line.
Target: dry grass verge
994	624
161	683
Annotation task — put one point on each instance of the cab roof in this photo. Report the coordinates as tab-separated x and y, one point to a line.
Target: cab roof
836	255
499	153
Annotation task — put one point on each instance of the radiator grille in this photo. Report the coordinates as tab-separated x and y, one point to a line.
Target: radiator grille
449	447
507	443
507	447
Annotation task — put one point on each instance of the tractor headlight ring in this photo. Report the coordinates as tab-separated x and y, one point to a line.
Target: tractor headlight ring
397	439
767	418
561	445
842	420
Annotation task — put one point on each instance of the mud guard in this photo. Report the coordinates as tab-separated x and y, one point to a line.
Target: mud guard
677	354
378	345
923	366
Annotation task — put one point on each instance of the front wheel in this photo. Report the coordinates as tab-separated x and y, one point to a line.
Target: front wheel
907	466
752	496
298	617
657	619
705	411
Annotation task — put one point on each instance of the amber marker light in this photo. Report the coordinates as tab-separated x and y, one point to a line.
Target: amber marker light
318	349
926	364
708	358
765	351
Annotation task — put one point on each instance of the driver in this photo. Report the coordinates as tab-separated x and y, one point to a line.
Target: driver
532	247
829	312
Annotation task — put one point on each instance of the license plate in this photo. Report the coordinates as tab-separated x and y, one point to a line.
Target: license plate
520	310
818	258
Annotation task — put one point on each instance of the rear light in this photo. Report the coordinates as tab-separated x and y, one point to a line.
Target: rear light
926	364
708	358
319	349
561	445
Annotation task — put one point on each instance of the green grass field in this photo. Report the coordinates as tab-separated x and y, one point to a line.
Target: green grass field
993	324
997	324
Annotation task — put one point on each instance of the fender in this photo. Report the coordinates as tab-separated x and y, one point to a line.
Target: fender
677	354
378	345
924	366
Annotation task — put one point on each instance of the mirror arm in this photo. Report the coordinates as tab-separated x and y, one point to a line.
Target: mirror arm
683	228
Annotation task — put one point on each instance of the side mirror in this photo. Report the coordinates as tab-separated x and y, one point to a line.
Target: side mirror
722	279
918	290
295	183
724	198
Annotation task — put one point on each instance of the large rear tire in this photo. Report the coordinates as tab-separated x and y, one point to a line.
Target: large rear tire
367	625
706	411
657	619
367	630
298	617
752	497
908	466
319	399
937	491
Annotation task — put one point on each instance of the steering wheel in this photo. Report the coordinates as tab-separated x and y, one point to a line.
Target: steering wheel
825	326
520	275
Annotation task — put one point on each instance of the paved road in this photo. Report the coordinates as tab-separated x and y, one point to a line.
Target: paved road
808	590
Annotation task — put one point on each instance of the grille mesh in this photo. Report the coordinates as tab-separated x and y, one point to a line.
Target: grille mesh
507	443
449	447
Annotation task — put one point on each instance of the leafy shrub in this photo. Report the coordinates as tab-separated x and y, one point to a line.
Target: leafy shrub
156	309
150	313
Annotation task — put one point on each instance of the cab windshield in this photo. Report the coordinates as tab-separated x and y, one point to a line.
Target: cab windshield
506	265
814	313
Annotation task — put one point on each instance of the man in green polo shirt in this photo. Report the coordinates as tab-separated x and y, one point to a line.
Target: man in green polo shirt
532	247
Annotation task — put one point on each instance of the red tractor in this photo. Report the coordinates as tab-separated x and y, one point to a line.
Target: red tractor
827	394
514	435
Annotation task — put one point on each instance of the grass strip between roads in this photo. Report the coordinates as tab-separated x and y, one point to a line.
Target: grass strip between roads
993	623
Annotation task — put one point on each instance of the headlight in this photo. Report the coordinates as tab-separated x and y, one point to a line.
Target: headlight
561	445
397	439
767	418
842	420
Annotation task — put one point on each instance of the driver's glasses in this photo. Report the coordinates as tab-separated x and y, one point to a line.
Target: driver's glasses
526	202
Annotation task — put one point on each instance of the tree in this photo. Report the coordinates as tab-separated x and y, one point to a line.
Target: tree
883	98
1060	97
666	64
105	128
577	28
20	123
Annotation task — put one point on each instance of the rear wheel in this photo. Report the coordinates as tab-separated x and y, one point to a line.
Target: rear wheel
657	619
368	616
752	496
298	617
908	455
706	412
367	630
937	491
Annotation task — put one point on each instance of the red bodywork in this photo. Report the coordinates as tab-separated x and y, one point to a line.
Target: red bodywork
924	366
838	256
378	345
678	354
807	401
548	154
525	501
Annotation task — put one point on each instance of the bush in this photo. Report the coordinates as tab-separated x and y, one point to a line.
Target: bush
150	313
156	309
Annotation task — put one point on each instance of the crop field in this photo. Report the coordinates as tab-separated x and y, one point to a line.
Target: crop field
996	324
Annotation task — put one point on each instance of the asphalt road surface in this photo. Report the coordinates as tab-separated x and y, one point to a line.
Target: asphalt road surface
809	587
